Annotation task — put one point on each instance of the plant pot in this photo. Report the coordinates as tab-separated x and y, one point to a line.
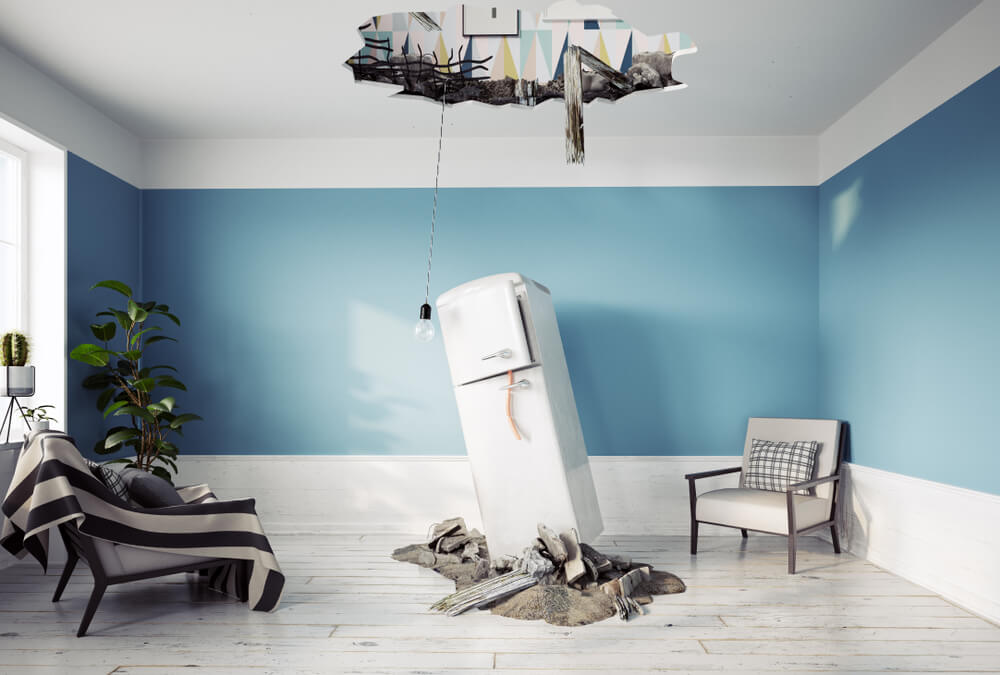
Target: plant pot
17	381
36	425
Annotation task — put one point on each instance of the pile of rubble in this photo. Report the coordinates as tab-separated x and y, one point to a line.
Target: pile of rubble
558	578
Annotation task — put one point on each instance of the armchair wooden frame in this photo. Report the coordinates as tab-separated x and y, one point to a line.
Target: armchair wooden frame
79	545
793	531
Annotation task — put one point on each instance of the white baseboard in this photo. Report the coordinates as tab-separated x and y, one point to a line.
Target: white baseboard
939	536
366	493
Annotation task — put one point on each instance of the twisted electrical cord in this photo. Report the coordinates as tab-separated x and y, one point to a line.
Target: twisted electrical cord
437	177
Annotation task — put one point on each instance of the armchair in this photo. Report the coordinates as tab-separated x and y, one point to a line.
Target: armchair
785	513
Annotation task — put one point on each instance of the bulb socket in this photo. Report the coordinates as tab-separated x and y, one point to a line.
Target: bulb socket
425	311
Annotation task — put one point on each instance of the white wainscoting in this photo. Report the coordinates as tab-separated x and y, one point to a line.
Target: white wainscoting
365	493
939	536
942	537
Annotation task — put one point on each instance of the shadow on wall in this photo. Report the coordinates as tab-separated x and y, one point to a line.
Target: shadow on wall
685	385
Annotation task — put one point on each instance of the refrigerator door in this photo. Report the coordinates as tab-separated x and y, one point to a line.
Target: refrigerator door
519	483
483	333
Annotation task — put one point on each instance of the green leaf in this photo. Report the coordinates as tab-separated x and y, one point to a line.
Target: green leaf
92	354
97	381
148	305
137	336
132	354
101	450
124	320
122	460
168	381
135	312
115	286
145	384
183	419
119	436
103	331
168	402
167	314
152	368
162	473
114	406
136	411
105	398
160	338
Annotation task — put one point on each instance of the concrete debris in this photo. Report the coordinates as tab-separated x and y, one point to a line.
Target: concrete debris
452	526
504	563
620	562
553	544
452	542
557	578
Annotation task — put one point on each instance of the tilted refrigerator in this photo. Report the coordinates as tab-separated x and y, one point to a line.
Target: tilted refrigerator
500	333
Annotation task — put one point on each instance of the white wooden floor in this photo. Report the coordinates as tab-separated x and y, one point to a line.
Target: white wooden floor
349	607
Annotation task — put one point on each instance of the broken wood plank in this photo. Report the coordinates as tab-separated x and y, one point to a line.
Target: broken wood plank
573	567
614	76
573	96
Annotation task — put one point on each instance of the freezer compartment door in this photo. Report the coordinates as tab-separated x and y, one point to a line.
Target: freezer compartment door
519	483
483	333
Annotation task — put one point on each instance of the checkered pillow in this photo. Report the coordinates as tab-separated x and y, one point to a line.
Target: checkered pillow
110	478
774	465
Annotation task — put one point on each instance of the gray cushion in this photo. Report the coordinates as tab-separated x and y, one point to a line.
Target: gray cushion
149	491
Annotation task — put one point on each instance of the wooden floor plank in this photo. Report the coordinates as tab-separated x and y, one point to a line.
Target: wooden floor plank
348	607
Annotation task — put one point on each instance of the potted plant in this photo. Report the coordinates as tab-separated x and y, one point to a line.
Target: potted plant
18	377
38	418
127	384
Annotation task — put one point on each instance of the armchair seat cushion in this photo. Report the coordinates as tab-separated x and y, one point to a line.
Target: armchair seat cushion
760	509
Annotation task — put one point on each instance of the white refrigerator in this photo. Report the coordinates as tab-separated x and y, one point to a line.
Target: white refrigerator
521	427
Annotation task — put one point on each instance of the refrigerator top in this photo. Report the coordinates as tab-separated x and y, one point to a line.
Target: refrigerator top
487	282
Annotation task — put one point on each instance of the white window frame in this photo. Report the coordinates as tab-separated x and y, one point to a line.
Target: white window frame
20	235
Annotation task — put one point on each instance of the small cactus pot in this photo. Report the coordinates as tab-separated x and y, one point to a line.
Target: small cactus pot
17	381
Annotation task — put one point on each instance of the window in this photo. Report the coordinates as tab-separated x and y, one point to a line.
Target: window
13	291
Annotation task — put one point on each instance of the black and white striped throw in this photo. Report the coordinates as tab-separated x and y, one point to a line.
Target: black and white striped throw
774	465
52	484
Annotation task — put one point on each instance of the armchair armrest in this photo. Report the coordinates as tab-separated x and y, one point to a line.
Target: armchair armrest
812	483
716	472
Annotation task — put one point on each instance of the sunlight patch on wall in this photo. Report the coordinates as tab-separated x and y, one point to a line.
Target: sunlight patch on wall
844	210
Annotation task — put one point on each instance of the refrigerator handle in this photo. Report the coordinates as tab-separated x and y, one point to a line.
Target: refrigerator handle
503	354
520	384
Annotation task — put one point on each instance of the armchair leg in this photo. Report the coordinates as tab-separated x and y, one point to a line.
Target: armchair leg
835	538
791	552
95	600
66	574
694	537
744	532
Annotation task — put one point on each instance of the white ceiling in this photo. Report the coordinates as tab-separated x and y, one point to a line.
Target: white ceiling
273	68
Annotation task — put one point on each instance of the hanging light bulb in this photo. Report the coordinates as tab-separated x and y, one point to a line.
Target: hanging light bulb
424	330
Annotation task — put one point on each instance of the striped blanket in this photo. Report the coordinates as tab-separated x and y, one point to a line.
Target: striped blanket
52	484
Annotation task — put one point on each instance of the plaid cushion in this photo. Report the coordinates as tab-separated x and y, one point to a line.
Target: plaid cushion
774	465
110	478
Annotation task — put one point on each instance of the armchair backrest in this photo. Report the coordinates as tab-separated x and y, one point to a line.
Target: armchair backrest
825	432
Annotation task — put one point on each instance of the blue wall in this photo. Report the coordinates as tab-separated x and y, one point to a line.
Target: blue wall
683	310
910	295
103	242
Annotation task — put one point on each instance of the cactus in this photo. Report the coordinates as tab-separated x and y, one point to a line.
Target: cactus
14	349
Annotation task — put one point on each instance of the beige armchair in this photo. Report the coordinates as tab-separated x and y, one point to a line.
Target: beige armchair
784	513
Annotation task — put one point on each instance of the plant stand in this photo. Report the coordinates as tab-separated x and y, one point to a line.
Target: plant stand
8	418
